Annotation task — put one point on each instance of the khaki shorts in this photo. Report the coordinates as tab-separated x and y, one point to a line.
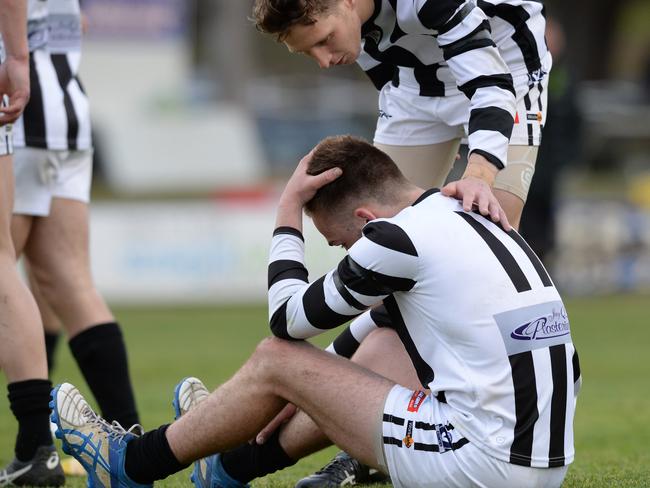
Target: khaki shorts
43	174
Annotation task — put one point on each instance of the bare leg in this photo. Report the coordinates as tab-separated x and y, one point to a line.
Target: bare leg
22	348
21	225
345	401
51	323
301	436
60	264
58	253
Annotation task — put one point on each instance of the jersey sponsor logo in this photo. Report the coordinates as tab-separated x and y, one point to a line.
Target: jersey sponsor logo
408	438
537	117
536	76
554	325
384	115
534	327
445	442
416	400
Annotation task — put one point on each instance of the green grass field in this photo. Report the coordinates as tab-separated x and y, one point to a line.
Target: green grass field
612	334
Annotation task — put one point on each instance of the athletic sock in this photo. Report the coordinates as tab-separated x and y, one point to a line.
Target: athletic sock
251	461
51	341
29	401
100	353
149	457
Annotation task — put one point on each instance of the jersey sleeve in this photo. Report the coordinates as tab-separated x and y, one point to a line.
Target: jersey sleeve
374	268
347	343
463	32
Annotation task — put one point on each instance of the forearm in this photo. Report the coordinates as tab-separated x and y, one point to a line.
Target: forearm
13	26
289	213
347	343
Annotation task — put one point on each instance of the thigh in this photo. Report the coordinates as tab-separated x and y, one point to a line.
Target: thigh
21	225
426	166
58	244
384	343
6	202
33	177
345	400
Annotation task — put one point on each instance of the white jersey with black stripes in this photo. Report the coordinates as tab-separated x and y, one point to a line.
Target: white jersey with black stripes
438	47
57	116
475	309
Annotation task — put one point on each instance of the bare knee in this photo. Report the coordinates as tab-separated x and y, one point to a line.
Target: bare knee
269	355
383	352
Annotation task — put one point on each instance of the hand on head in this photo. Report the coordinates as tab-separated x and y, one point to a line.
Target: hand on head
302	186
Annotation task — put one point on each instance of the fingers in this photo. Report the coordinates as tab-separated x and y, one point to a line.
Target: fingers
503	218
306	158
285	414
318	181
11	112
449	189
478	195
468	201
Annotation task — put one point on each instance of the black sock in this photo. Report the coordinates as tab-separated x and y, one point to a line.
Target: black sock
101	355
51	340
29	401
252	461
149	458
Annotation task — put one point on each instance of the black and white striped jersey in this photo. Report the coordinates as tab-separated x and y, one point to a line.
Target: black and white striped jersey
481	320
57	115
438	47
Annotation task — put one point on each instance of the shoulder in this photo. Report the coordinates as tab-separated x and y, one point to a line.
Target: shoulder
390	235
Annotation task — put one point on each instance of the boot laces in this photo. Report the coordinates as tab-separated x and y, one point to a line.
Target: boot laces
114	429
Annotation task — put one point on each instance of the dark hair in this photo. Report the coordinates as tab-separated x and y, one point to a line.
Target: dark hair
278	16
367	173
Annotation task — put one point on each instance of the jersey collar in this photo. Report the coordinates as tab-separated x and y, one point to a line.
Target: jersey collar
426	194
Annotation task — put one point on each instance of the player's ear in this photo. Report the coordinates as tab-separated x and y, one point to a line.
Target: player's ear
351	4
364	214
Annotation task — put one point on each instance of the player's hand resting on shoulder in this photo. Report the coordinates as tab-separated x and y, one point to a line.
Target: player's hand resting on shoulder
475	191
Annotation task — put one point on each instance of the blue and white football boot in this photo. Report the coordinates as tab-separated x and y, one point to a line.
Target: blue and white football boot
208	472
100	447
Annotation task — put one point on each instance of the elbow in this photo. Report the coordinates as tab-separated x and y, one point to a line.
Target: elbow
278	323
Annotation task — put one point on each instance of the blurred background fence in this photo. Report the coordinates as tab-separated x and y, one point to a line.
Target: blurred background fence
198	119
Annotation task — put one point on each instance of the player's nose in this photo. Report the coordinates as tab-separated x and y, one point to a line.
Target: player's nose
322	57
